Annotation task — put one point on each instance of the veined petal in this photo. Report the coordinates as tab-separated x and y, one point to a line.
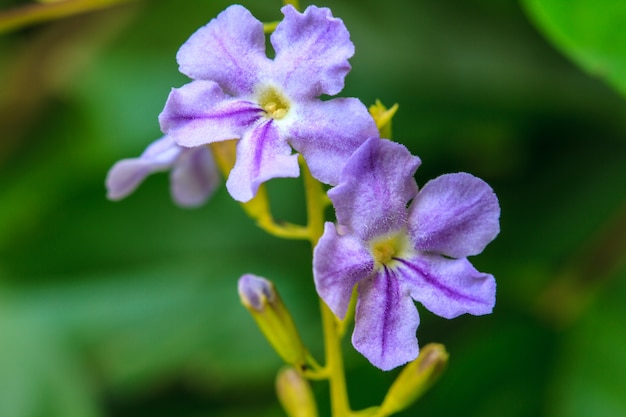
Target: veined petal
448	287
376	185
194	177
229	50
339	262
327	133
386	321
200	112
126	175
456	215
261	155
312	51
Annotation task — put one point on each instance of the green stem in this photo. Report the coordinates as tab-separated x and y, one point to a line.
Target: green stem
269	27
31	14
258	208
340	406
284	230
342	325
316	202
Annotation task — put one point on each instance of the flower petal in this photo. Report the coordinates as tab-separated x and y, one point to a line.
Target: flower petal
312	51
456	215
229	50
448	287
376	185
327	133
199	113
339	262
385	322
261	155
194	177
126	175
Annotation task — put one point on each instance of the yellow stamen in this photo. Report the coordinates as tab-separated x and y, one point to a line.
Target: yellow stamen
275	105
386	249
383	252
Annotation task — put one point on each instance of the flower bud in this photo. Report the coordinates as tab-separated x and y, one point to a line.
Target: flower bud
417	377
261	299
295	394
382	116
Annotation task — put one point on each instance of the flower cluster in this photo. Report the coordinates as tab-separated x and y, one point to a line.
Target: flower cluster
392	241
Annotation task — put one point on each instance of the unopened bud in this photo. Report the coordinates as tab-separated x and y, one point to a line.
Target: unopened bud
261	299
416	378
382	116
295	394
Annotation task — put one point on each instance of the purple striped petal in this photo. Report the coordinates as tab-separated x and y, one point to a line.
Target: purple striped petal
339	262
376	185
261	155
448	287
229	50
312	51
200	112
327	133
126	175
456	215
386	321
194	177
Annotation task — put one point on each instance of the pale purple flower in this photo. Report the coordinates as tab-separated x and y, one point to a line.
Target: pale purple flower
271	106
193	173
396	254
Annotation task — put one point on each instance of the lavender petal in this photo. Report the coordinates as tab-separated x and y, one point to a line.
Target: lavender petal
456	215
229	50
448	287
312	51
386	321
261	155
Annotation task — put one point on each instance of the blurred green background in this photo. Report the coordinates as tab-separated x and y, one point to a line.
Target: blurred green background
130	308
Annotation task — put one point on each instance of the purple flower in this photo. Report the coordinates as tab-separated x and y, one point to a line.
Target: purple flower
193	173
269	105
397	254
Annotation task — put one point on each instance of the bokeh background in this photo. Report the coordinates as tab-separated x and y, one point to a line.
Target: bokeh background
130	308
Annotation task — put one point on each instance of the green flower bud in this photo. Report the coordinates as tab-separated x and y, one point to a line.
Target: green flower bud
415	379
261	299
382	116
294	394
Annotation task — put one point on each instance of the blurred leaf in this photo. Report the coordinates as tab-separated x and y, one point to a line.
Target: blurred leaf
589	375
31	14
591	32
504	355
136	329
41	374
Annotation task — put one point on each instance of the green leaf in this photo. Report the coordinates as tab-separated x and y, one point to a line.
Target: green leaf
65	343
592	362
590	32
41	375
